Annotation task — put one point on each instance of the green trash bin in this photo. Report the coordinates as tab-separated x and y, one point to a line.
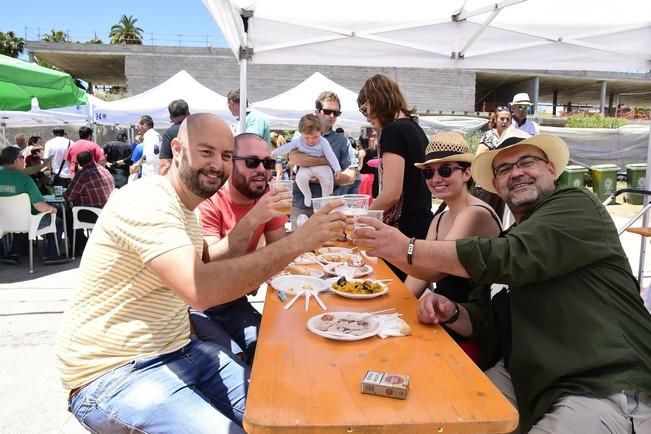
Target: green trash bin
604	180
636	176
572	176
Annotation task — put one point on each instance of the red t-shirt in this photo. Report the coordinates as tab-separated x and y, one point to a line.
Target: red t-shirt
81	146
219	214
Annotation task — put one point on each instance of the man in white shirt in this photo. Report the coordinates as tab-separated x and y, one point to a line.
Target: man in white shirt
151	142
55	149
519	109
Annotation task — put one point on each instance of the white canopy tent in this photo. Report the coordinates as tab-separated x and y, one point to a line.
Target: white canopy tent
154	102
285	110
586	35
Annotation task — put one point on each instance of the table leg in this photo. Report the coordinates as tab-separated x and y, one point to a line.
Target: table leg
62	206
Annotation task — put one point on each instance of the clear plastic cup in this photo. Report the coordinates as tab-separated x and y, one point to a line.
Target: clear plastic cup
283	185
319	202
355	205
376	214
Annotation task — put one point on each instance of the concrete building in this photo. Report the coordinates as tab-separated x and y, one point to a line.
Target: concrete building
140	67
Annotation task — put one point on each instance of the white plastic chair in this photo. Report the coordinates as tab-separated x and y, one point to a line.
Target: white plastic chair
16	217
76	224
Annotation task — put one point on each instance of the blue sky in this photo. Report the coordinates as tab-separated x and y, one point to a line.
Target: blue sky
165	19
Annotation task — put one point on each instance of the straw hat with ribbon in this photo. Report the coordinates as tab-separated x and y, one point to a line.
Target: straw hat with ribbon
447	146
554	148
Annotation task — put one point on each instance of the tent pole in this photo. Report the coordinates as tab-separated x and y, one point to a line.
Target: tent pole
243	95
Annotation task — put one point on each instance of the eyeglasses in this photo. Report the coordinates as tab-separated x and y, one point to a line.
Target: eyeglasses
444	171
329	112
254	162
502	108
363	109
525	162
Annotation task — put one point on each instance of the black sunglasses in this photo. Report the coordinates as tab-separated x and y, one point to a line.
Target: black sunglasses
444	171
254	162
329	112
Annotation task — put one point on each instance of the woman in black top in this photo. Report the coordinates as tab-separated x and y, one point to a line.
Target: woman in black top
403	195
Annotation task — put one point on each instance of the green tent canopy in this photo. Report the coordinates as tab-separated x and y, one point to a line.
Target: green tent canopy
21	81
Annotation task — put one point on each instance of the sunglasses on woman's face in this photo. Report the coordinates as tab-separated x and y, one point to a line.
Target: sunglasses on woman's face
254	162
444	171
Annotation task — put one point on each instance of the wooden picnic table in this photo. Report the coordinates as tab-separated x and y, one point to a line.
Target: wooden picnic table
302	382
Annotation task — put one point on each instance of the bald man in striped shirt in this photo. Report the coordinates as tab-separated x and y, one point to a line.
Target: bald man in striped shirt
124	349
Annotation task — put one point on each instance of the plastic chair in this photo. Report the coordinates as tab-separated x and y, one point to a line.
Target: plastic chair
644	231
16	217
77	224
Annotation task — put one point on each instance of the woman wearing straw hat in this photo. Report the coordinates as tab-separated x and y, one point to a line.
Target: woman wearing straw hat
446	170
404	198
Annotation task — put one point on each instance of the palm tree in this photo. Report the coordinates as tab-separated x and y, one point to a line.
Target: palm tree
56	36
10	45
126	32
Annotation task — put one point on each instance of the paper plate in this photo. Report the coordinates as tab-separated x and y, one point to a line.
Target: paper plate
362	271
385	289
306	258
326	250
344	326
338	258
290	283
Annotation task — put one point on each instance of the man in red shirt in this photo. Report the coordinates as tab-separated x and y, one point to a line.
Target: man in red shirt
85	143
91	186
234	221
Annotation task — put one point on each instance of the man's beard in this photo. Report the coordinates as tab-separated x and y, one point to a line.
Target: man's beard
190	177
526	199
243	185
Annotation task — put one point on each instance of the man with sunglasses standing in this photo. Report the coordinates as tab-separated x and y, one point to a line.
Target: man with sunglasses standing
520	108
569	347
328	109
234	221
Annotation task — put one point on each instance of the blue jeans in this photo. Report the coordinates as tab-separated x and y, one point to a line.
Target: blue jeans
233	325
200	388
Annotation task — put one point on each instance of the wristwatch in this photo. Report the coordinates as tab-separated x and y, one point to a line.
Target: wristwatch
454	317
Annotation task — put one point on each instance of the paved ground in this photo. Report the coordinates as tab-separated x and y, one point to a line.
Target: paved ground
32	399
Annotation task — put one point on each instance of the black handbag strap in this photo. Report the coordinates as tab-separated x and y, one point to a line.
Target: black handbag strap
63	161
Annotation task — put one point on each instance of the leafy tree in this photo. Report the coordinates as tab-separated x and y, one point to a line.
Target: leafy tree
10	45
126	31
588	120
56	36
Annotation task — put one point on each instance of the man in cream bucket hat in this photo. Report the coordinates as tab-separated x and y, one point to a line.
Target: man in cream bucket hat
519	110
566	335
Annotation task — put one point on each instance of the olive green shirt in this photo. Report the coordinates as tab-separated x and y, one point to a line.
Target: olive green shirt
579	326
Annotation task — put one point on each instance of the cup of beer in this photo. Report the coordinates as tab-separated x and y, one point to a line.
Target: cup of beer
355	205
374	213
320	202
285	206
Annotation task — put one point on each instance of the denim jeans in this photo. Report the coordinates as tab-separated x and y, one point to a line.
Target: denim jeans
233	325
200	388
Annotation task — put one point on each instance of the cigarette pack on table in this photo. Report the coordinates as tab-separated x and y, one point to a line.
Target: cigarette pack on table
385	384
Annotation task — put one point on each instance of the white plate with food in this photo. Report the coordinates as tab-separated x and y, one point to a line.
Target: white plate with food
342	270
292	284
306	259
359	288
326	250
341	258
344	326
299	270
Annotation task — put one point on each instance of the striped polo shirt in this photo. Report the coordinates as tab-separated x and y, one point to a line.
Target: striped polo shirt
121	310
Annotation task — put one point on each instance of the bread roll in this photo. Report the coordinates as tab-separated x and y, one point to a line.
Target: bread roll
297	269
